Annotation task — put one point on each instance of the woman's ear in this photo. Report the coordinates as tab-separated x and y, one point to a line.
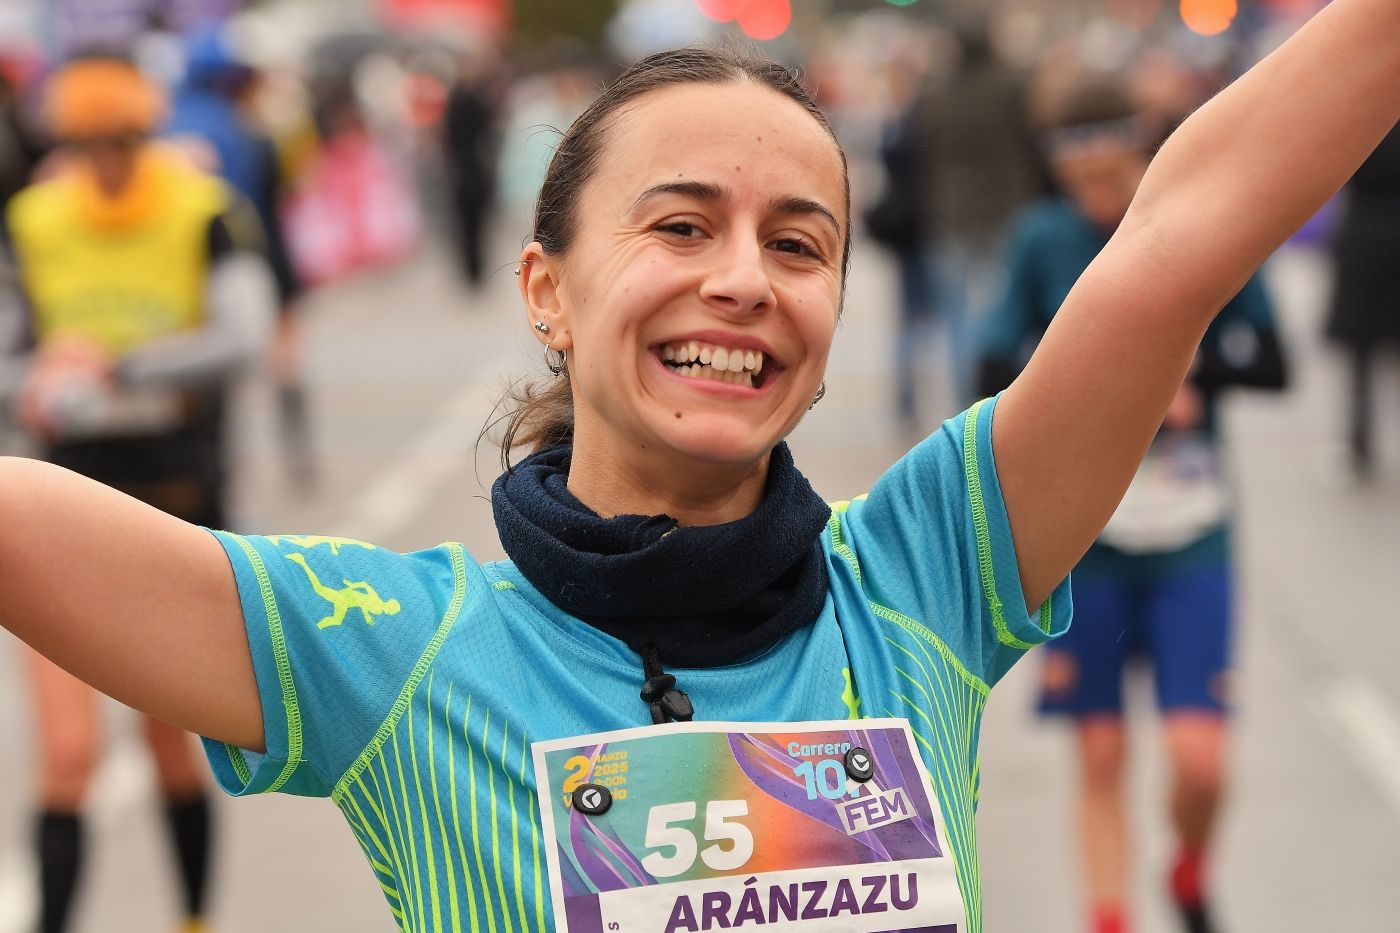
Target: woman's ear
539	287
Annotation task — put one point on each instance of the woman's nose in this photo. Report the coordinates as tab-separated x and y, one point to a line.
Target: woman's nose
738	282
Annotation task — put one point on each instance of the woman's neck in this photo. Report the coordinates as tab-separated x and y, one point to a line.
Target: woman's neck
615	482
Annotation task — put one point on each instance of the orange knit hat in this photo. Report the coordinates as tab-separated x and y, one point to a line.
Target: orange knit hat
97	97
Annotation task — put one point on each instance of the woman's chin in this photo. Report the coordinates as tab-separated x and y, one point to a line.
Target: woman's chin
717	441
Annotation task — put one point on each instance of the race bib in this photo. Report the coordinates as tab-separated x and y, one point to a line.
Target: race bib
813	827
1178	496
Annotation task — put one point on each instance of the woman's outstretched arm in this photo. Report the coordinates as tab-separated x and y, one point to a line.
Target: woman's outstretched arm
1230	186
141	605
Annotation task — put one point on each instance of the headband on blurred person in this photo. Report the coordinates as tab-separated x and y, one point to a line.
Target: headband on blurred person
102	97
1090	139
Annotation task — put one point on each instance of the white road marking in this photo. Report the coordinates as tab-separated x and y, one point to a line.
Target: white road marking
1369	727
434	459
19	902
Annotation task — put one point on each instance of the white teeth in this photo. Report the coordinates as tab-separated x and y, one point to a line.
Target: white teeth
694	359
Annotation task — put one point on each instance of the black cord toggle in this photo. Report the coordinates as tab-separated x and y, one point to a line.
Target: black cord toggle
659	691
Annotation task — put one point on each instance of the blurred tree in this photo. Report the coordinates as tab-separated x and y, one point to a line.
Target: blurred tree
538	21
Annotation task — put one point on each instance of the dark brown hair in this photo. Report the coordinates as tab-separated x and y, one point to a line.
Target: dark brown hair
1093	100
542	412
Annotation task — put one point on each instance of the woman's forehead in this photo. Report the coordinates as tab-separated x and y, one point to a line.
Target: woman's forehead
740	135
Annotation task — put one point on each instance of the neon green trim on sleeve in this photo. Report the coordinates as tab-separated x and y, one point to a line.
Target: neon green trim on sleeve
838	543
502	585
284	667
240	767
984	538
1047	615
939	645
420	670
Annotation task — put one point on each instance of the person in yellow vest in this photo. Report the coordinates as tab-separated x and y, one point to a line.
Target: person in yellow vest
143	296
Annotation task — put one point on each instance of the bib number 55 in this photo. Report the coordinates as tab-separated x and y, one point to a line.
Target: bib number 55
721	826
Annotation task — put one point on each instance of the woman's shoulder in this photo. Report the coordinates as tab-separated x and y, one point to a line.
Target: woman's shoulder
336	572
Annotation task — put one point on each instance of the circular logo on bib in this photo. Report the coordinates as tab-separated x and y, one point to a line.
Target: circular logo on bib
593	799
859	765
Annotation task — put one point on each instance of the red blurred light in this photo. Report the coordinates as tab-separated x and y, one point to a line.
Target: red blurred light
1209	17
722	11
765	19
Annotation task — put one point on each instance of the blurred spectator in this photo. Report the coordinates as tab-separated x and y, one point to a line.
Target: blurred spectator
143	296
982	170
355	209
19	150
540	106
1158	582
1366	304
210	110
896	222
470	136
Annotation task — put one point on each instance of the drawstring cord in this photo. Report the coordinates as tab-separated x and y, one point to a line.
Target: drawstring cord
659	691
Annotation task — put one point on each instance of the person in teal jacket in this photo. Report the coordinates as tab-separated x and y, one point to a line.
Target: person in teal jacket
1158	582
696	696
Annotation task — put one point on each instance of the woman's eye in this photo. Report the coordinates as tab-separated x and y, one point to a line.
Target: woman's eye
796	247
680	228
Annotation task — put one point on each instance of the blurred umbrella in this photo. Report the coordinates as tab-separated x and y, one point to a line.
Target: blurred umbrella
338	55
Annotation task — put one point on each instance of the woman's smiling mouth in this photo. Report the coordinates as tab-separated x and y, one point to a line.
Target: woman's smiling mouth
696	359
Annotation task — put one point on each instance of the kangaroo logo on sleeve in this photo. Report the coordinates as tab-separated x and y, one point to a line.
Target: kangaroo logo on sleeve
356	595
307	542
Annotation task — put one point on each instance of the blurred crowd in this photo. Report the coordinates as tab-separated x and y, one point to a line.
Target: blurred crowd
993	154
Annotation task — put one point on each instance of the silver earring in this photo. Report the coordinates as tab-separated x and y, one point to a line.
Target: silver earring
542	327
821	394
520	265
555	366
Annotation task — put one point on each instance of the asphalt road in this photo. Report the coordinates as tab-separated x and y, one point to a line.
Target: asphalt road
404	368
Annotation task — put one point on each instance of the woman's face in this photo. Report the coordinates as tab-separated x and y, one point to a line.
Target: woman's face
111	160
699	298
1103	184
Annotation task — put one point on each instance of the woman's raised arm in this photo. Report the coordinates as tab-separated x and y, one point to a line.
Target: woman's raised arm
141	605
1235	181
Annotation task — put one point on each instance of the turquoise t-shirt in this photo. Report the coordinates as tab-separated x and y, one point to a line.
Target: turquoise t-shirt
409	687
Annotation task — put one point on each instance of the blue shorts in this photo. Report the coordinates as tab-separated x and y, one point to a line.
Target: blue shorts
1175	613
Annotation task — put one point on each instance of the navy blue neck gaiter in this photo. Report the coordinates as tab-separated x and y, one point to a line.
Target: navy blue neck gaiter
702	596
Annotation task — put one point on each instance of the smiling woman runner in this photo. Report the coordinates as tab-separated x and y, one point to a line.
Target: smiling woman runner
694	224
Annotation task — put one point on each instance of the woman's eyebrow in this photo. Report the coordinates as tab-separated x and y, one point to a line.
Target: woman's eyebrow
795	205
700	190
709	191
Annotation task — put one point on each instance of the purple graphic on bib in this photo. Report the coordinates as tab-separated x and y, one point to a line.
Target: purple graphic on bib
715	827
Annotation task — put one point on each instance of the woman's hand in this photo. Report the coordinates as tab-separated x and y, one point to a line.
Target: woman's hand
1187	411
65	374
